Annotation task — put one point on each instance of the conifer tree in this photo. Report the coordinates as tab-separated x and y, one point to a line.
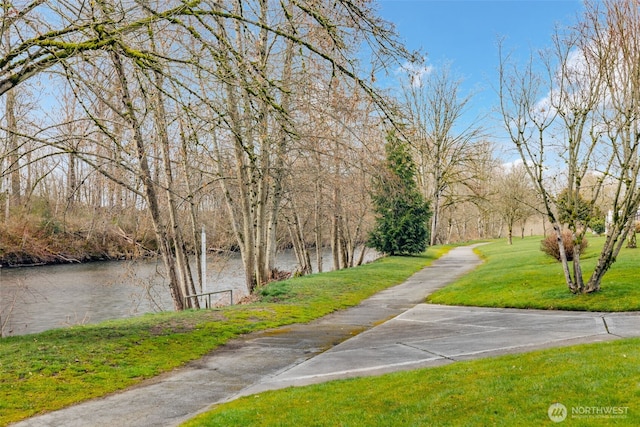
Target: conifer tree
401	211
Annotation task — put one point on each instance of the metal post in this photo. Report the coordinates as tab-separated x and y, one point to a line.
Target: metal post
204	263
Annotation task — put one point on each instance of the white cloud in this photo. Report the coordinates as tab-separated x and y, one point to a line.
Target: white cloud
509	166
415	71
575	84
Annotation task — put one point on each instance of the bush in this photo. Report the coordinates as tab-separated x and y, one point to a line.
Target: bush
550	245
597	225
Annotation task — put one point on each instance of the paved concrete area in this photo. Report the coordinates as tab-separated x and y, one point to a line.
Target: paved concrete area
432	335
391	331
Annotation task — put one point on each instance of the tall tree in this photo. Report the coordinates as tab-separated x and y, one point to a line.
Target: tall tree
231	67
11	152
402	213
589	92
515	198
444	145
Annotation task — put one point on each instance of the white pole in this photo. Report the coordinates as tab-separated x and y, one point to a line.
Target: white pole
204	260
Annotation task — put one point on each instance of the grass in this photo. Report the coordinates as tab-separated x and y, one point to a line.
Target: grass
48	371
521	276
509	390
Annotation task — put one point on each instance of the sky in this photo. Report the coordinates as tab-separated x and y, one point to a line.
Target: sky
464	33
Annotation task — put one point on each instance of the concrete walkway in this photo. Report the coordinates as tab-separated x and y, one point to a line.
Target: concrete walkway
390	331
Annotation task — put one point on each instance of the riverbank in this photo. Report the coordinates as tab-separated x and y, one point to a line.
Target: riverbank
47	371
27	241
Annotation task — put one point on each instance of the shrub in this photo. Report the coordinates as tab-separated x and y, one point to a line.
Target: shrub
550	245
597	225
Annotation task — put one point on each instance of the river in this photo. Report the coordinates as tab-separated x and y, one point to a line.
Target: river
35	299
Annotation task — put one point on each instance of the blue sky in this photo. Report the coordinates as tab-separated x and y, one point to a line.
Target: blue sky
464	33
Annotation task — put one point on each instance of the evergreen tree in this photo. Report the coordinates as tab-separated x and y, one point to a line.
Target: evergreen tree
401	211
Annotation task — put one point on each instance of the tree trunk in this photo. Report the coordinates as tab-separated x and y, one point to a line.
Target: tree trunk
72	181
149	186
193	211
299	245
612	246
279	168
12	146
175	232
362	254
317	215
435	219
577	268
11	131
563	258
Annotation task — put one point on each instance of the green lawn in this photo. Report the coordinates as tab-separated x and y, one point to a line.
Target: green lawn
513	390
47	371
599	384
521	276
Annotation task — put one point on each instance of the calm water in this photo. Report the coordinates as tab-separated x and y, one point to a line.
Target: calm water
35	299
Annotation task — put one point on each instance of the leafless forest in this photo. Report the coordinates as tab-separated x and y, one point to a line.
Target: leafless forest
128	126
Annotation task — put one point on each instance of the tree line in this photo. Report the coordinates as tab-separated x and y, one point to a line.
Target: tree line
194	112
253	118
260	120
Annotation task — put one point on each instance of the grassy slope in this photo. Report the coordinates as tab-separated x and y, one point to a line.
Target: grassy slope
521	276
47	371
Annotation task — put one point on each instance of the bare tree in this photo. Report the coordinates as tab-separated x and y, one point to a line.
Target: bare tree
515	198
444	146
11	155
579	118
229	66
610	39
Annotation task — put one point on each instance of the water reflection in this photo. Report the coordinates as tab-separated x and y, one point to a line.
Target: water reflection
35	299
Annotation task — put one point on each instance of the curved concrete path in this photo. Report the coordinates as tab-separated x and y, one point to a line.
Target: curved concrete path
393	330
